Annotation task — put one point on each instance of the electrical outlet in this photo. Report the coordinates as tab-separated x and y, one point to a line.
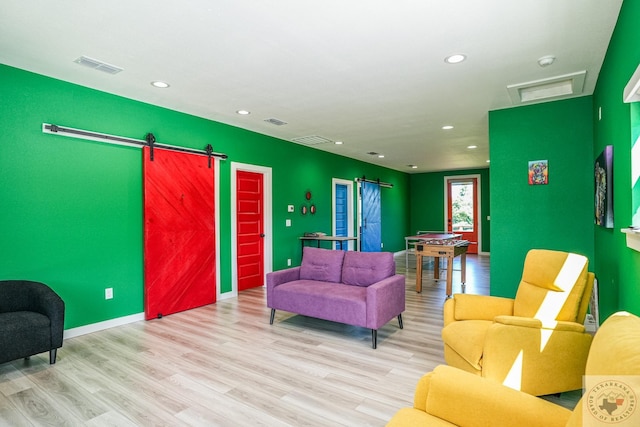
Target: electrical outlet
288	262
108	293
290	208
287	223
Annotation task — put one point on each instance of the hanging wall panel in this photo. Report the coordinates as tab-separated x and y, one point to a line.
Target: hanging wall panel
371	233
179	243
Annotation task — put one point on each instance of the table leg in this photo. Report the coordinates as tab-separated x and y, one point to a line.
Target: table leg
436	268
449	275
406	254
463	268
418	273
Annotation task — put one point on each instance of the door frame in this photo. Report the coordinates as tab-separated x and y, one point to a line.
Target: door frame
268	229
350	210
478	203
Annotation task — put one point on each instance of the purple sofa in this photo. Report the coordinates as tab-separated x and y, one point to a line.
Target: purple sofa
356	288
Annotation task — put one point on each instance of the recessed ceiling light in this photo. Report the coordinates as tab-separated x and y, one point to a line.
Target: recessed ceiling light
243	112
447	127
471	147
381	156
455	58
488	161
160	84
338	142
546	60
413	166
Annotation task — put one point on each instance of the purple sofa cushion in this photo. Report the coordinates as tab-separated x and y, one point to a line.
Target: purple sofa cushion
324	265
324	300
367	268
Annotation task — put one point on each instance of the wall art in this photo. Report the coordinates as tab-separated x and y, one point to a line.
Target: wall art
538	172
603	185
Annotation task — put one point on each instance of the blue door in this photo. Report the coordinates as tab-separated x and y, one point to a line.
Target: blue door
370	225
341	218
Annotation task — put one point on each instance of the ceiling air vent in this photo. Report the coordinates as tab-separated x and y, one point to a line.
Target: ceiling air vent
564	86
276	122
98	65
311	140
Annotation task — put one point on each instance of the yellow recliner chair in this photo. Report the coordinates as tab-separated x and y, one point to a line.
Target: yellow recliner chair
451	397
536	342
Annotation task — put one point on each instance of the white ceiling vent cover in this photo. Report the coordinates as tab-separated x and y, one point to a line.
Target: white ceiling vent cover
555	87
276	122
98	65
311	140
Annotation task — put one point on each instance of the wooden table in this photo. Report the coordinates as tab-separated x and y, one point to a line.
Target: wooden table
448	249
319	239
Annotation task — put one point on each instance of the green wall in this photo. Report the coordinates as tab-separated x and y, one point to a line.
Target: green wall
558	215
617	267
72	209
427	201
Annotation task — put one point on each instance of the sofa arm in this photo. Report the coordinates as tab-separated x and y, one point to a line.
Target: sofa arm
279	277
528	322
475	307
385	300
50	304
484	402
26	295
537	360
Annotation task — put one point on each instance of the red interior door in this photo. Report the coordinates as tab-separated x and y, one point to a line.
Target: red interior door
250	229
462	210
179	245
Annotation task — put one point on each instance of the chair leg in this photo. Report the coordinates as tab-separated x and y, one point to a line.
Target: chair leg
400	321
273	314
374	338
52	356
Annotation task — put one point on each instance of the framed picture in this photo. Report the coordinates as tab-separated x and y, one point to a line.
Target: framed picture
603	185
538	172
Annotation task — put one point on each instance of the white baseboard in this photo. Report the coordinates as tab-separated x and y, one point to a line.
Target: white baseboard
100	326
227	295
95	327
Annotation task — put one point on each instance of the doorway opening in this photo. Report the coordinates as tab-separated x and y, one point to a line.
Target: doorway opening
462	209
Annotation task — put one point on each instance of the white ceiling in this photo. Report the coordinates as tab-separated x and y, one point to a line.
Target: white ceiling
370	73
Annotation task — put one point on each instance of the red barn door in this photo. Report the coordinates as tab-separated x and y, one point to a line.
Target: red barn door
179	245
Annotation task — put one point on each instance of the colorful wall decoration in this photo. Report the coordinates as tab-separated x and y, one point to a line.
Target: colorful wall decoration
538	172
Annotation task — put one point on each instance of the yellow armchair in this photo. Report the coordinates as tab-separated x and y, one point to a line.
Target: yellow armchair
535	342
451	397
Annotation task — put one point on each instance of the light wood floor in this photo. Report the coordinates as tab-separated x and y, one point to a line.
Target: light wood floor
224	365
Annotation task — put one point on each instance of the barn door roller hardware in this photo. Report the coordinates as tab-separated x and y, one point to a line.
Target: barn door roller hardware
150	141
377	181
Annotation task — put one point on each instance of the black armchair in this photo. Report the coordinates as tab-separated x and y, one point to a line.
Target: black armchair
31	320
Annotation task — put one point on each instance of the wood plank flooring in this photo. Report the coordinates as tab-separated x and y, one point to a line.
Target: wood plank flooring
224	365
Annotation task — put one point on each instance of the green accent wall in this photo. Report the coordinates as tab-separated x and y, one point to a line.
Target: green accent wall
617	267
558	215
427	202
71	212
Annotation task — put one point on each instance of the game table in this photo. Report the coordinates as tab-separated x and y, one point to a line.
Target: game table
425	235
448	248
